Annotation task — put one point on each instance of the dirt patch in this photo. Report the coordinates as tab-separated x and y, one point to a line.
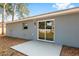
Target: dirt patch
69	51
6	43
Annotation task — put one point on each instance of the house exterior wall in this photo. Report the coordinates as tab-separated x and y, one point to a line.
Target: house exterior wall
67	30
16	30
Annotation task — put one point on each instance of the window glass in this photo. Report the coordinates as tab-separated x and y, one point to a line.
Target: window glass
41	25
48	24
25	26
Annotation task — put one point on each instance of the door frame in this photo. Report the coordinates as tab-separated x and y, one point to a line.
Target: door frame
45	34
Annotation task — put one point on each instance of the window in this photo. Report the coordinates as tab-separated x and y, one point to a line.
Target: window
25	26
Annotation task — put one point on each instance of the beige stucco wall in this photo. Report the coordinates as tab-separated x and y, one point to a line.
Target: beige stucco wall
66	30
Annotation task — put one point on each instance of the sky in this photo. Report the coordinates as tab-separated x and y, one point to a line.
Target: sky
41	8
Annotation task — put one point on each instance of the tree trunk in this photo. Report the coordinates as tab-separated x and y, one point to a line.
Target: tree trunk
3	14
14	10
2	24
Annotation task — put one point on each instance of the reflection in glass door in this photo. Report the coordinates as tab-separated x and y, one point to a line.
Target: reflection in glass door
49	30
46	30
42	30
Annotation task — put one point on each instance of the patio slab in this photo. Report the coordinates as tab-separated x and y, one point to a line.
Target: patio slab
38	48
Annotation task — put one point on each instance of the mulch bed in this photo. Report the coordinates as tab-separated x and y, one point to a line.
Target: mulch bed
69	51
6	43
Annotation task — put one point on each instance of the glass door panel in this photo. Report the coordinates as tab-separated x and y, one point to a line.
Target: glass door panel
49	35
41	35
46	30
42	30
49	31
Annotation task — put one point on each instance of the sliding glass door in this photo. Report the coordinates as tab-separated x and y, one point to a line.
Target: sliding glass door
46	30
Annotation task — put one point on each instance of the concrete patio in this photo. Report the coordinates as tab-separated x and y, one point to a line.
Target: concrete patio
38	48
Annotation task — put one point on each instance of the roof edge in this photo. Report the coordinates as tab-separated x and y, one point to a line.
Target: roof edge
60	12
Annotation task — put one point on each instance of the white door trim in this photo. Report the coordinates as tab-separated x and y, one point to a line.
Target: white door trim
45	34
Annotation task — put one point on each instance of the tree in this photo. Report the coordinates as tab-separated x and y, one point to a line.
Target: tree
11	9
3	13
20	9
5	10
14	11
